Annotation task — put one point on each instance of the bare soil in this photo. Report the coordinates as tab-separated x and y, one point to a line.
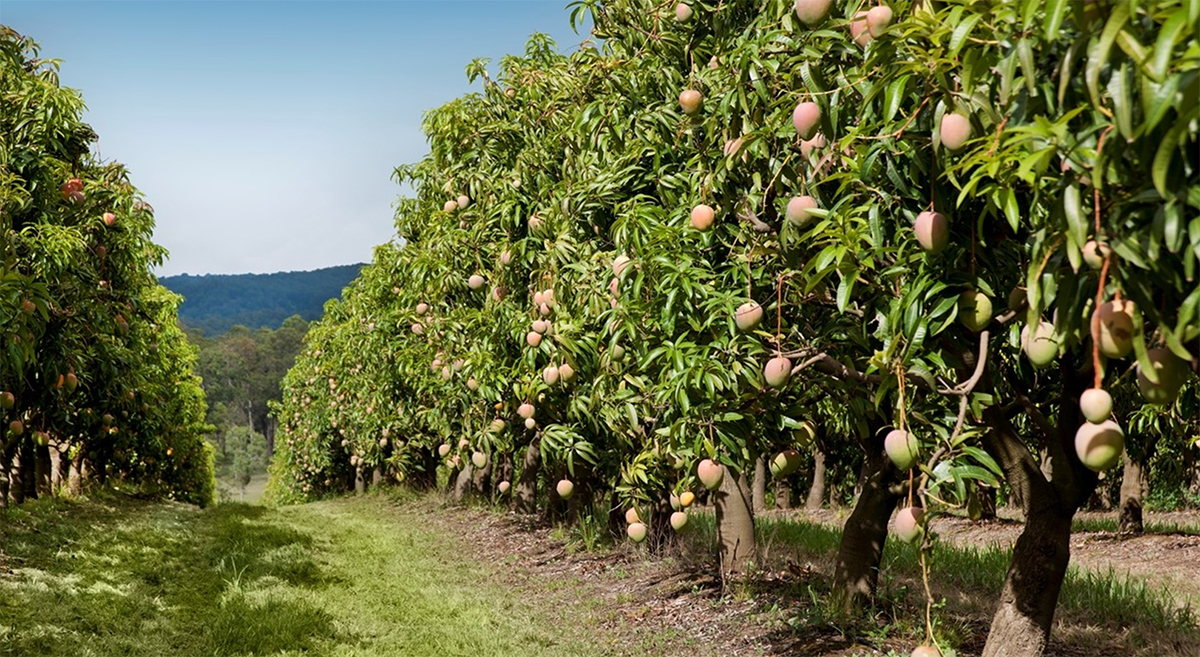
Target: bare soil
672	605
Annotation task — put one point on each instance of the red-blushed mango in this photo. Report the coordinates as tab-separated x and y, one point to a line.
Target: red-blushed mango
812	12
785	463
933	231
472	384
535	223
797	210
955	131
683	12
858	29
1041	344
550	375
566	373
620	264
686	498
17	427
807	146
443	450
497	425
908	524
7	400
702	217
533	338
530	423
450	206
108	218
901	447
463	201
525	410
539	326
506	257
422	308
748	316
479	459
1094	253
463	443
1116	328
1096	404
475	281
710	474
503	487
926	651
806	118
690	101
565	489
1171	371
499	292
777	371
974	310
631	516
447	373
1099	446
679	520
636	532
878	20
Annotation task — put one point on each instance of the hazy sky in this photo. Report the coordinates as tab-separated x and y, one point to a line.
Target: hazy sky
265	133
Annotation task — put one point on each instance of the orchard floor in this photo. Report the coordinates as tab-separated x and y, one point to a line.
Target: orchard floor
397	574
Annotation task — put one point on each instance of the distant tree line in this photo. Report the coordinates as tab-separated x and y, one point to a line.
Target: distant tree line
241	371
215	303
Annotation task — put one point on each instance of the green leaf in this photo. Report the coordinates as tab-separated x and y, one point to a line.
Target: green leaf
893	97
1119	89
961	32
1167	36
1162	158
1098	53
1073	208
1055	11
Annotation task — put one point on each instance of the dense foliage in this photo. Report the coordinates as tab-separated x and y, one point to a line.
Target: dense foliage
881	190
96	378
215	303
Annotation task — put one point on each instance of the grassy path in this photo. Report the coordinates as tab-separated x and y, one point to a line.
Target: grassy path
356	576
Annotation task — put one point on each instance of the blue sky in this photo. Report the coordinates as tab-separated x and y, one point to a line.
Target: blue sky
264	133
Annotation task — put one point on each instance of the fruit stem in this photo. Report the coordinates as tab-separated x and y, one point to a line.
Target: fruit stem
1099	372
928	595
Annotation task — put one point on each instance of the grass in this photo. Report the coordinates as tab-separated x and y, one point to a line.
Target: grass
355	576
967	579
1094	524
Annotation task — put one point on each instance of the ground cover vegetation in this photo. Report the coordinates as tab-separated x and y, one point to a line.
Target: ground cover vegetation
952	245
96	378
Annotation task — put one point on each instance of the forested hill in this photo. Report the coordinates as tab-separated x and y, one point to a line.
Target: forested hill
215	303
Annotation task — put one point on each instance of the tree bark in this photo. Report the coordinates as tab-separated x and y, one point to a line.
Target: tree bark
1133	483
43	469
482	478
462	483
360	480
856	574
760	484
783	494
27	479
816	492
735	524
526	498
1052	494
78	472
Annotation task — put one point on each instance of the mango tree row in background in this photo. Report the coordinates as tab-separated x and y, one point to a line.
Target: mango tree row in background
921	234
96	378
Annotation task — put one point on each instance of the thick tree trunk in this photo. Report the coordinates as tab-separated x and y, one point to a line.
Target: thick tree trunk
1021	626
376	477
735	524
43	469
1052	493
987	501
1133	484
856	574
59	466
462	483
760	483
5	475
360	480
526	498
783	494
28	470
78	472
816	492
482	479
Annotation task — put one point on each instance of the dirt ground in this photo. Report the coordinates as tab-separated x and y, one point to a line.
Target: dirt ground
673	606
